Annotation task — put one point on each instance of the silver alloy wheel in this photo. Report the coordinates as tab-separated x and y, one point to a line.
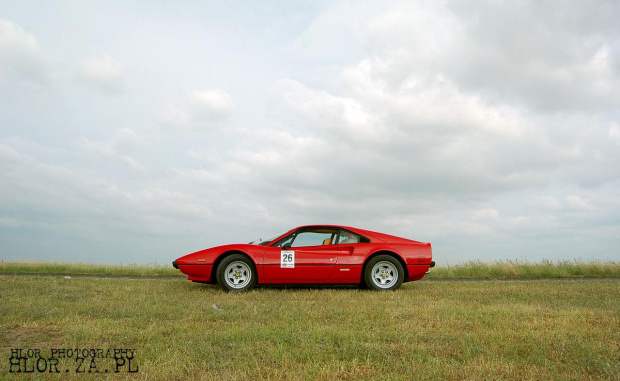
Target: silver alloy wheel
384	274
238	274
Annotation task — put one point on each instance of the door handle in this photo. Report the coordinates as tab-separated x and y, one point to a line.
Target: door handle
346	249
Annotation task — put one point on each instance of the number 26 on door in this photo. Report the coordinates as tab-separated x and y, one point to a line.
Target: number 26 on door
287	259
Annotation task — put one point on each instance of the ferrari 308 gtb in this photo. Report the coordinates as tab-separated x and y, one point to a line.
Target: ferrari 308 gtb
318	254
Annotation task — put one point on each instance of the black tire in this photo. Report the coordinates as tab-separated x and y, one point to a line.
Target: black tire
384	273
236	272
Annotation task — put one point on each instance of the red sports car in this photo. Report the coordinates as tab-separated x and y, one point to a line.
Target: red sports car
318	254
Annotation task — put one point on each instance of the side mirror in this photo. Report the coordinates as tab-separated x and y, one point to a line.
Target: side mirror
286	247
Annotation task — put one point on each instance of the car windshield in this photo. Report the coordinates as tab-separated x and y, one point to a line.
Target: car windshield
265	242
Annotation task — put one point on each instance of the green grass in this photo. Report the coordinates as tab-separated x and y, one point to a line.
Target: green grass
510	330
523	269
482	270
84	268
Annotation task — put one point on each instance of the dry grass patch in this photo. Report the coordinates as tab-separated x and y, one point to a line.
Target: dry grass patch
512	330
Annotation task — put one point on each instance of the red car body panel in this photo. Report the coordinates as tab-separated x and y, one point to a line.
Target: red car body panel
336	263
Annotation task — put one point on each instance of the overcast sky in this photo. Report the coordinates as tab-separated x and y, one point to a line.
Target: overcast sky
139	131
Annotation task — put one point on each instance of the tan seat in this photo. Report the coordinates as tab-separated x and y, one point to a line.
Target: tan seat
327	241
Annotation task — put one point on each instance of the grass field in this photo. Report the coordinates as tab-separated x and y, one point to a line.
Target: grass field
508	330
523	269
86	268
469	270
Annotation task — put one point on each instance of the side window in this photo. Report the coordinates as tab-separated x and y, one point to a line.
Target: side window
285	241
314	238
348	237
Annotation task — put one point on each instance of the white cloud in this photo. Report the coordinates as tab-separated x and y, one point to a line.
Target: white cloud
21	58
530	54
333	37
614	131
174	116
579	203
102	74
82	202
329	115
490	129
547	203
120	148
206	111
487	214
216	103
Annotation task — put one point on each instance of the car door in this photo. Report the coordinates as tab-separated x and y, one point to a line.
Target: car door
306	255
348	248
352	250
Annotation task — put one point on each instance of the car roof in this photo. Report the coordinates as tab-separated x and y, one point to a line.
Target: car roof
367	233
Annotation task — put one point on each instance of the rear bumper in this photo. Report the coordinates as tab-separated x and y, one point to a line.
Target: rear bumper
416	272
432	265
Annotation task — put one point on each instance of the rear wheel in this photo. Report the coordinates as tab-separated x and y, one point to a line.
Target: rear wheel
236	273
384	272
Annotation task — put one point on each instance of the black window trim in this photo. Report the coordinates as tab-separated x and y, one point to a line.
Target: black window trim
338	231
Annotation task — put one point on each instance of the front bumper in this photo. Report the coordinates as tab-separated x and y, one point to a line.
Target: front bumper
174	264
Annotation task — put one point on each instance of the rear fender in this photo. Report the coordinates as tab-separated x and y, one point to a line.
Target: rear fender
384	252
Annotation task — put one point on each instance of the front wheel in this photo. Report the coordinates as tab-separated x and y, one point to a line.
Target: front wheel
236	273
384	272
